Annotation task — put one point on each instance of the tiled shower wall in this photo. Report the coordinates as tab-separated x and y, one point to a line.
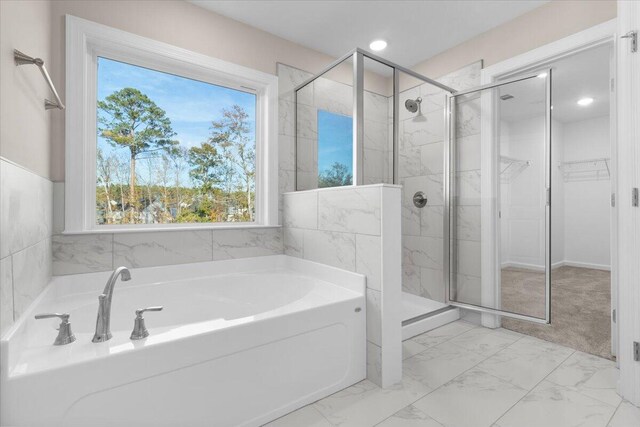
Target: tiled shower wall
356	229
25	239
420	168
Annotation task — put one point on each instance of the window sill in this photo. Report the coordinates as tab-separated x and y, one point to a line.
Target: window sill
124	230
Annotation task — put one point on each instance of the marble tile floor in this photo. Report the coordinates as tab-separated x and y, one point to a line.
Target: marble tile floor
463	375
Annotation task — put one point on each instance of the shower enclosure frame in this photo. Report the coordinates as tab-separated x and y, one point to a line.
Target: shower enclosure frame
358	55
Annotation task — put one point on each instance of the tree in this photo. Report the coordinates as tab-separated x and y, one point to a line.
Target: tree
337	176
105	170
180	161
130	119
205	162
122	175
231	134
163	177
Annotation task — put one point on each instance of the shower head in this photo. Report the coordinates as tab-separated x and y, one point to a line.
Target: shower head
413	105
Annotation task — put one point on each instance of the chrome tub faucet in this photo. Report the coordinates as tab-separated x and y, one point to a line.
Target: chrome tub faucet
103	323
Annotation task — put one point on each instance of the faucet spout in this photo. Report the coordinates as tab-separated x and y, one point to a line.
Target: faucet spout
103	322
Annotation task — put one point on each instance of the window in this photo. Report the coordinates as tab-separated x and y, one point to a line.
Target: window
172	149
335	149
166	138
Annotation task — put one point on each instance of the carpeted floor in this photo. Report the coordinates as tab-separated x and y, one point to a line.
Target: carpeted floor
580	306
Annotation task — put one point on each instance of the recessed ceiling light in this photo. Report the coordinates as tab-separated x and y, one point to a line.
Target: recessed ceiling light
583	102
377	45
542	75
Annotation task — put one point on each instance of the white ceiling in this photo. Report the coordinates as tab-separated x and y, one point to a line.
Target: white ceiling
585	74
415	30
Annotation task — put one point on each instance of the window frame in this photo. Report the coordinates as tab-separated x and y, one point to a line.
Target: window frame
85	42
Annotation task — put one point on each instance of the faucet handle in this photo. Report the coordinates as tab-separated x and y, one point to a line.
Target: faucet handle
142	310
139	329
63	316
65	336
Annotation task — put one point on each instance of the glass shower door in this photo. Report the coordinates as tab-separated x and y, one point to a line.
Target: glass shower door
497	198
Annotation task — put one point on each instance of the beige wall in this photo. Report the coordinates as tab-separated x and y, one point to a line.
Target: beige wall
24	123
543	25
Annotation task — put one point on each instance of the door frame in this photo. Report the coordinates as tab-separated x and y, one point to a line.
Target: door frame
628	69
592	37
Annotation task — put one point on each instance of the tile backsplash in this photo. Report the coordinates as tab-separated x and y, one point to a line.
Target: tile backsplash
86	253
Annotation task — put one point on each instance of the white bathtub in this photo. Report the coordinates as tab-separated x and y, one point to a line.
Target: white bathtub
239	343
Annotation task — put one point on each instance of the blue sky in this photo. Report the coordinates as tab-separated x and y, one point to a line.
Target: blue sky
335	140
191	105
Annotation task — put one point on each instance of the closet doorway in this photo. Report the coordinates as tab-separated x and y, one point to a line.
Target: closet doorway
545	263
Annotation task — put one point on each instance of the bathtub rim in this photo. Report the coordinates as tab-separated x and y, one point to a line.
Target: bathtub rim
10	341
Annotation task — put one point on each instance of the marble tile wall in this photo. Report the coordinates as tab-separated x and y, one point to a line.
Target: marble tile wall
288	79
25	239
420	168
357	229
86	253
378	139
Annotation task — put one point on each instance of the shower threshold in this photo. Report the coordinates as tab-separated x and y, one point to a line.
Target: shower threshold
420	315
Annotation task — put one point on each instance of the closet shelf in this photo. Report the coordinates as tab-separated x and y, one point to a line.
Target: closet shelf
586	170
510	168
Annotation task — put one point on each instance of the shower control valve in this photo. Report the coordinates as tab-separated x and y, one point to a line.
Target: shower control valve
419	199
